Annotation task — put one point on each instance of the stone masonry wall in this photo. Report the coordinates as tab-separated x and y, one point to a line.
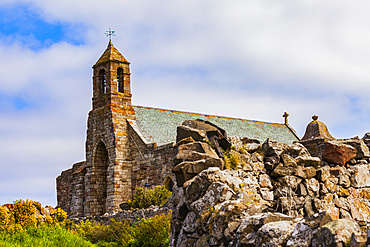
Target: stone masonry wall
85	189
78	191
64	181
107	128
65	188
151	164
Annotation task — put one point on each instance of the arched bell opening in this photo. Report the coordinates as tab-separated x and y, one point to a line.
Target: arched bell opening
120	81
102	81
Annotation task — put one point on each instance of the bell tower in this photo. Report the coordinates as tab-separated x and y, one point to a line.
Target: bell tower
108	164
111	79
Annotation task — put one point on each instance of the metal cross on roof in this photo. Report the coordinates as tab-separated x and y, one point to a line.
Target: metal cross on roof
110	33
286	115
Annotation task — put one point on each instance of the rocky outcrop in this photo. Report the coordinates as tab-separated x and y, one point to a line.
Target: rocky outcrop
197	152
275	195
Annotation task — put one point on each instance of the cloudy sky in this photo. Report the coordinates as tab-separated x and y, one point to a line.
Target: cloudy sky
240	58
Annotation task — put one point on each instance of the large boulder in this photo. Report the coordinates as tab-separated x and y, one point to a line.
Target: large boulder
308	161
296	150
301	236
360	176
274	233
273	148
338	153
360	146
251	145
246	234
287	167
360	210
216	192
335	233
216	135
194	151
185	131
188	169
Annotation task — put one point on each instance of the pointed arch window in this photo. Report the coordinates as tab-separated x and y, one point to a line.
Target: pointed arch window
102	81
120	80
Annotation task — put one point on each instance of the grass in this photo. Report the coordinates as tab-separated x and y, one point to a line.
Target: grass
43	236
153	232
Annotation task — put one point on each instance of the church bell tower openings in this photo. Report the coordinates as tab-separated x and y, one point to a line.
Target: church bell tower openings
120	80
102	82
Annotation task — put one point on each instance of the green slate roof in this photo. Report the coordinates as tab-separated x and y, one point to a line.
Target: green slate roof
159	126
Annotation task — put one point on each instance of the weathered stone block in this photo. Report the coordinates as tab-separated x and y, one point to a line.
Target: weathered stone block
335	233
338	153
360	176
189	169
185	132
360	146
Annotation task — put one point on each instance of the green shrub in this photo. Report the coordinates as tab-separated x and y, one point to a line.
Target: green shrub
144	197
146	232
114	234
152	232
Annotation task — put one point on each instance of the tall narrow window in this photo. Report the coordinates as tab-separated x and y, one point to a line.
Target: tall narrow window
102	81
120	80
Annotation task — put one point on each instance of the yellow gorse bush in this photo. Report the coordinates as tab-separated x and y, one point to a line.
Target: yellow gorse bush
59	215
4	217
27	213
24	213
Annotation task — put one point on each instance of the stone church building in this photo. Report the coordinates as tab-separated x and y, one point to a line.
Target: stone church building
132	146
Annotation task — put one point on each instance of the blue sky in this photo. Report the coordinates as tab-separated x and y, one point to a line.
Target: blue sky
247	59
22	22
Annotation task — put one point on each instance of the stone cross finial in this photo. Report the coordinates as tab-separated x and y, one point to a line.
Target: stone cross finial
314	117
110	33
286	115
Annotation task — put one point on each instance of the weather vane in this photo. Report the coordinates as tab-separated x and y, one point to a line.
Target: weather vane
110	33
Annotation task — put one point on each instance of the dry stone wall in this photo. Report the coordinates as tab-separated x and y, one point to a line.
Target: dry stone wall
275	195
130	215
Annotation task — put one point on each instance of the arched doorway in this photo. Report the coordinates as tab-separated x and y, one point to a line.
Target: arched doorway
99	186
